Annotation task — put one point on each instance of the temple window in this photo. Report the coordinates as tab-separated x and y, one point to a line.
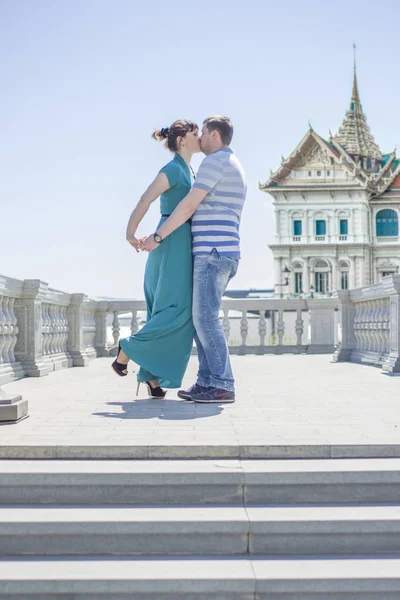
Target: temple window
298	283
297	227
344	226
320	227
387	224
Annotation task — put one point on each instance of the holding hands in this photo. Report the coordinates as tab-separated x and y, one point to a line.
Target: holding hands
146	244
134	242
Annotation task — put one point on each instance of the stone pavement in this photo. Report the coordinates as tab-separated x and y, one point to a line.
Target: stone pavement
287	406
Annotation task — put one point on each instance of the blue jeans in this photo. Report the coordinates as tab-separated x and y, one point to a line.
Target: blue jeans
211	275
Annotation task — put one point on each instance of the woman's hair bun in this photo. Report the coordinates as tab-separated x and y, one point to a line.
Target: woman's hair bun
171	134
161	134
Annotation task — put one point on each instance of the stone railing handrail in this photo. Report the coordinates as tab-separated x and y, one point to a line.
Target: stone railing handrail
43	329
370	322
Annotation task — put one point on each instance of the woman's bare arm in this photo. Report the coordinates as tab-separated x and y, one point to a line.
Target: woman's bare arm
155	189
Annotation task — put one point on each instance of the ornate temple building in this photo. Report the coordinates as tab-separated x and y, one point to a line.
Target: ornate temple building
337	205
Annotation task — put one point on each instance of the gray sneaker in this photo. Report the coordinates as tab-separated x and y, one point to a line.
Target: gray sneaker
212	395
194	389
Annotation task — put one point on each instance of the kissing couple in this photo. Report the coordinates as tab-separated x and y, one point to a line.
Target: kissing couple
193	254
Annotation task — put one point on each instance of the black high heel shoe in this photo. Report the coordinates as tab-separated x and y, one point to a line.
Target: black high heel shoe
119	368
154	392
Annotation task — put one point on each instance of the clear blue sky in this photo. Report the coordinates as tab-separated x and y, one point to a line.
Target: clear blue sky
85	82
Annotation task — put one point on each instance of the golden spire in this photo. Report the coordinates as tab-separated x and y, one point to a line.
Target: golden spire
355	96
354	134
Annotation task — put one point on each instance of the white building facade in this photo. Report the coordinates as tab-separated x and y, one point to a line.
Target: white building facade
337	209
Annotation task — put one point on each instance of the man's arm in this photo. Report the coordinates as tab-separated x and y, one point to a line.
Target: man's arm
181	214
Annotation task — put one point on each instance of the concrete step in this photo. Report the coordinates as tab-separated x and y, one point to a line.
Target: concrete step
184	482
68	448
193	530
123	530
200	578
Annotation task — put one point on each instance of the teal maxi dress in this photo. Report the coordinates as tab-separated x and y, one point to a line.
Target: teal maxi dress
163	346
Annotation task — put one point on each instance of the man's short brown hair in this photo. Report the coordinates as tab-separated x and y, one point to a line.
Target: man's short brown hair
221	124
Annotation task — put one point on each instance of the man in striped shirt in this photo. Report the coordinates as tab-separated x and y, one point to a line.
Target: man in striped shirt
216	202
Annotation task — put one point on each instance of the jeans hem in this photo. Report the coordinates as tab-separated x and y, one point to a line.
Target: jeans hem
202	382
223	386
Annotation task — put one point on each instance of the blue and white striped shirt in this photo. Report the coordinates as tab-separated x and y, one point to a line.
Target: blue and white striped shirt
215	224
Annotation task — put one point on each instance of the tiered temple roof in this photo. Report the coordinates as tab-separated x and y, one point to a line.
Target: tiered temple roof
352	148
354	135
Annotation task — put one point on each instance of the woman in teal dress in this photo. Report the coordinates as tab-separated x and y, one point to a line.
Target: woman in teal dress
163	346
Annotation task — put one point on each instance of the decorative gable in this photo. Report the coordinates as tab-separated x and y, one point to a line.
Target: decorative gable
312	151
317	157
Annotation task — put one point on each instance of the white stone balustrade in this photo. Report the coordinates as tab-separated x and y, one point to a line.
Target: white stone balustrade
42	329
269	334
370	319
10	367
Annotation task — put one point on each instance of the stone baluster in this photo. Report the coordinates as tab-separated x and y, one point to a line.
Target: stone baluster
7	331
280	327
116	328
2	329
357	324
374	328
52	330
10	368
76	346
101	329
15	330
244	330
299	327
46	313
89	338
377	327
369	326
45	330
226	324
262	329
367	318
56	328
383	327
134	322
65	328
360	325
60	328
386	327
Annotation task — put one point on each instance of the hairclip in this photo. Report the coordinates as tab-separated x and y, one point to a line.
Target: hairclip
164	132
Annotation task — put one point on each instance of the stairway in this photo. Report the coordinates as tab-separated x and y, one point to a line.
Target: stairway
195	530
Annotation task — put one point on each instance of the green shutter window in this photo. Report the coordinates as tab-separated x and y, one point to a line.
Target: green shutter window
387	224
297	227
344	227
320	227
298	283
